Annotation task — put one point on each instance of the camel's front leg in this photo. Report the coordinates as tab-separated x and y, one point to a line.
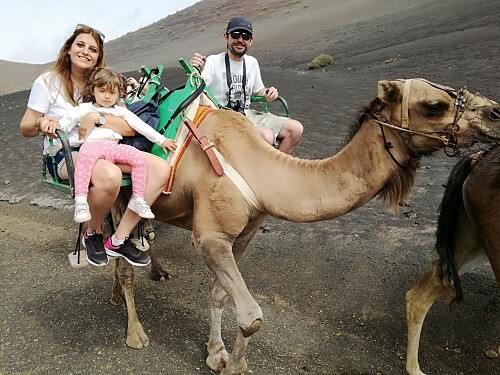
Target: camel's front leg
217	354
218	359
217	254
419	299
136	338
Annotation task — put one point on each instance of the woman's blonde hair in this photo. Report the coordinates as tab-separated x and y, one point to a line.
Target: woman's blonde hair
62	66
103	77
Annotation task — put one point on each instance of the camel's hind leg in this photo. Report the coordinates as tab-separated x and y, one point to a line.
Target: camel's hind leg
468	255
419	299
123	287
136	338
157	271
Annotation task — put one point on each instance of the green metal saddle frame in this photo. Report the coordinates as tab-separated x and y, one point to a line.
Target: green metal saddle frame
171	107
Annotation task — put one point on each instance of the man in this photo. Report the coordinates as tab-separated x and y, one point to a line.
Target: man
233	77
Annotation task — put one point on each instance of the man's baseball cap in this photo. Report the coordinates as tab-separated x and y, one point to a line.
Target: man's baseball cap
239	23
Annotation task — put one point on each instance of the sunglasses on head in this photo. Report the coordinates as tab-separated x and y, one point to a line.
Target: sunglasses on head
83	26
236	35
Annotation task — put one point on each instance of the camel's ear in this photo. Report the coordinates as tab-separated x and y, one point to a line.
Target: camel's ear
389	92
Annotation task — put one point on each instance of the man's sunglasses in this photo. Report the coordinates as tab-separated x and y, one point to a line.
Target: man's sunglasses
236	35
83	26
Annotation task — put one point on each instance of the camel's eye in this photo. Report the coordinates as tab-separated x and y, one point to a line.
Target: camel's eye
435	108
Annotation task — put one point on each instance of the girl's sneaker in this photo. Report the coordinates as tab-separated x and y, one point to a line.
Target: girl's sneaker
128	251
82	212
141	208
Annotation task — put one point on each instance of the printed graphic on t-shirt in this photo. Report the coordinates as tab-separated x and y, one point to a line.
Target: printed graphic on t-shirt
235	92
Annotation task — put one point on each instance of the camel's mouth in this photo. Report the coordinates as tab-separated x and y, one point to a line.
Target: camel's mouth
492	116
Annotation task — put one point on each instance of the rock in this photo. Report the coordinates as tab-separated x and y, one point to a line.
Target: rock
491	353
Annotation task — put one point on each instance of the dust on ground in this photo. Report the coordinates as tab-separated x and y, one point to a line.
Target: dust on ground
332	292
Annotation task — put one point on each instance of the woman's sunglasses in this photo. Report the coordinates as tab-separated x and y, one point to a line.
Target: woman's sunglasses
83	26
236	35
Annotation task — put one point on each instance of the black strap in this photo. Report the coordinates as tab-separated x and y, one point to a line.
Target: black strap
229	81
184	104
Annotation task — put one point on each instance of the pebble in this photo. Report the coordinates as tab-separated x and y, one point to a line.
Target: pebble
491	353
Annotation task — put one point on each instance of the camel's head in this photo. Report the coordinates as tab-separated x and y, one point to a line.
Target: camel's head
432	116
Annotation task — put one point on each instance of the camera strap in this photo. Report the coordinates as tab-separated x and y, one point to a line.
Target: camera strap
229	81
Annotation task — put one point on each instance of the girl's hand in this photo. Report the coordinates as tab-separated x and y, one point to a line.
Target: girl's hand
169	144
87	124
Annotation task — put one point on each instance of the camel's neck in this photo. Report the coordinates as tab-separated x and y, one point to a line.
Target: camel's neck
307	190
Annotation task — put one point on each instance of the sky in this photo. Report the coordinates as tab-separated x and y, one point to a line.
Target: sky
33	31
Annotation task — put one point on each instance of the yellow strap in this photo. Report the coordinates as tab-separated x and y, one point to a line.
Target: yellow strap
405	122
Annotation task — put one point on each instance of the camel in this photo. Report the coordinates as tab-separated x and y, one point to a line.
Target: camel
408	119
468	235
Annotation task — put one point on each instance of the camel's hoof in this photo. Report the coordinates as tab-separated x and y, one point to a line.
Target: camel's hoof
137	341
235	369
254	327
160	276
218	361
414	372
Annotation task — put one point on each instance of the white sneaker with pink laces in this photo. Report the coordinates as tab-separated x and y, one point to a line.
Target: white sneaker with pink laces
82	212
141	208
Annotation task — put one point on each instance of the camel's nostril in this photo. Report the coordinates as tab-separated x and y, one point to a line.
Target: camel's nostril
494	113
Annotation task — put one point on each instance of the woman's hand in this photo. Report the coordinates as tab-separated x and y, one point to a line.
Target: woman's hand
169	144
48	126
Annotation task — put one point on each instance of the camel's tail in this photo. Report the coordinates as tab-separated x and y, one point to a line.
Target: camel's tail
447	227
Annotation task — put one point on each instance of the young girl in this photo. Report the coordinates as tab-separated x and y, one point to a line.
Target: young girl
103	89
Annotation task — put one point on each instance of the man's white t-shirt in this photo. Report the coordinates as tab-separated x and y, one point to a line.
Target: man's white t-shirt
214	73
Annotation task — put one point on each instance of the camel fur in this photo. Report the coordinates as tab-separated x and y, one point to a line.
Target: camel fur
223	223
468	235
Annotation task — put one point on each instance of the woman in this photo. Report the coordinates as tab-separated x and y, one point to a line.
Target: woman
52	95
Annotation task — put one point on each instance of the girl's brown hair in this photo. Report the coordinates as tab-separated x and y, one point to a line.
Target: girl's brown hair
62	66
103	77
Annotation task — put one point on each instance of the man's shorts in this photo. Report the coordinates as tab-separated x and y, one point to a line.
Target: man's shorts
266	120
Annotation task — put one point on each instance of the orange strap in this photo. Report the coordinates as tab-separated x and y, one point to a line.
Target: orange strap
201	113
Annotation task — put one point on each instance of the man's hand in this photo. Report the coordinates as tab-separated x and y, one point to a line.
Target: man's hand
169	144
87	124
271	93
198	61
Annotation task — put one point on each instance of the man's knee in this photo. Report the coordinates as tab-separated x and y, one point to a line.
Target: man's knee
266	134
292	128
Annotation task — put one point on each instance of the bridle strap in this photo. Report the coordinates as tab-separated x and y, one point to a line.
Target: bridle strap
460	106
405	122
442	138
388	146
